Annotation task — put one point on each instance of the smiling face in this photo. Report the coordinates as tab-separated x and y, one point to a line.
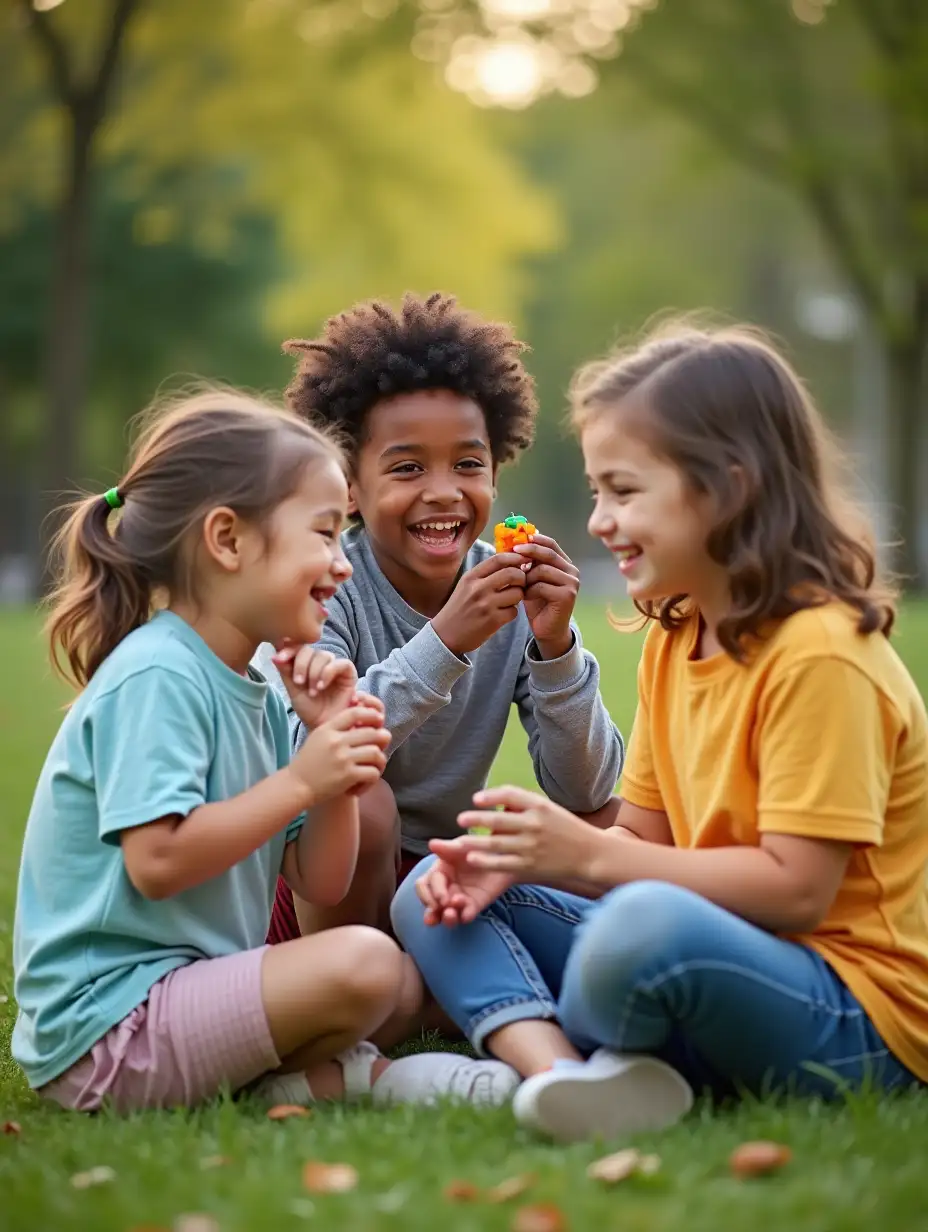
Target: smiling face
423	484
647	515
293	569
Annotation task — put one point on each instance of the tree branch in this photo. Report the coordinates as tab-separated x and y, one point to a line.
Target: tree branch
808	171
800	164
702	110
877	19
103	78
824	204
55	52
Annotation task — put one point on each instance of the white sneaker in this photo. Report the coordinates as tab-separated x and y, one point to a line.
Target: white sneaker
426	1077
611	1095
294	1088
423	1078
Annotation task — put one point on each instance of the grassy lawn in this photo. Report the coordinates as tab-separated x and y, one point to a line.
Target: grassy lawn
853	1165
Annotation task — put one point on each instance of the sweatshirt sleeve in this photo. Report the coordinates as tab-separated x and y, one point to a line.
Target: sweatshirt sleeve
413	681
576	749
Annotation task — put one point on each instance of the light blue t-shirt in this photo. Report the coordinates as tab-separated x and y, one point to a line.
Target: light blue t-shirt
163	727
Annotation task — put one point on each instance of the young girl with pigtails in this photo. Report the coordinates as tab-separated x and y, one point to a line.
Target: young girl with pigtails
169	802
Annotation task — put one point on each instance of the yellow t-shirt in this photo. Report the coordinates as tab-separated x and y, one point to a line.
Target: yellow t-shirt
822	734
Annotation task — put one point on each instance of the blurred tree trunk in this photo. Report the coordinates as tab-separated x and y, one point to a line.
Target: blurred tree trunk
84	105
907	428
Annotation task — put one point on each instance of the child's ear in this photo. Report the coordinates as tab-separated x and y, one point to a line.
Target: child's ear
352	503
223	538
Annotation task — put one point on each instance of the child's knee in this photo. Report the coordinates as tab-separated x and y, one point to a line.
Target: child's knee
379	826
636	930
372	967
406	910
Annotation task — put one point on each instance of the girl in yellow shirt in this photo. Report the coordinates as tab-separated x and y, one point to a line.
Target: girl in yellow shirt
758	917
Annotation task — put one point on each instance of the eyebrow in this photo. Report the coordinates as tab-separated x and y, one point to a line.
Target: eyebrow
334	515
475	443
612	476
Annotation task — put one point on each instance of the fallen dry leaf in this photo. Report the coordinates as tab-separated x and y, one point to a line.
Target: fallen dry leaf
280	1112
196	1222
543	1218
511	1188
614	1168
619	1167
329	1178
12	1127
214	1161
461	1191
758	1158
95	1176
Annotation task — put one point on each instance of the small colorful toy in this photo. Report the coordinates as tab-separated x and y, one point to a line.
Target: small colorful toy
484	829
512	530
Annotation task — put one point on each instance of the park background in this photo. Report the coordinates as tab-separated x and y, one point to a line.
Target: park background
186	183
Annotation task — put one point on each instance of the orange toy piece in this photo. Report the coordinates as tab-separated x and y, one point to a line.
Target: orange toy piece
512	530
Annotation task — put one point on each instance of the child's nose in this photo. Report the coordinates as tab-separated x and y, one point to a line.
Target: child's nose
600	523
342	567
443	490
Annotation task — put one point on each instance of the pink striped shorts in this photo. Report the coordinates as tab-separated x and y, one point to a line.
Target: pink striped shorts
203	1027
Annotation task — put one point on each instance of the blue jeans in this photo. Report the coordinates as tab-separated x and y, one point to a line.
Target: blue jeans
656	969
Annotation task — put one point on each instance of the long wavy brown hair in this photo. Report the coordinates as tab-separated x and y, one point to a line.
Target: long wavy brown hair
727	409
215	447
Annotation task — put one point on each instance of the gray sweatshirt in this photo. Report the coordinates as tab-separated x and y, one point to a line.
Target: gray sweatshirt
448	714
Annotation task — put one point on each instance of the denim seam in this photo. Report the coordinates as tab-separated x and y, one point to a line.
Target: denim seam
520	956
548	1007
733	968
517	898
486	1022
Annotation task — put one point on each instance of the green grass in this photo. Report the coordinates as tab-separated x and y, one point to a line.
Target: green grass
853	1165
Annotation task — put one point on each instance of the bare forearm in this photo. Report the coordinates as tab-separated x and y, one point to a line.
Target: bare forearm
746	881
589	889
325	853
573	885
214	837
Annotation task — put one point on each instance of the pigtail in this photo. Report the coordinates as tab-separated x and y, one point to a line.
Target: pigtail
102	593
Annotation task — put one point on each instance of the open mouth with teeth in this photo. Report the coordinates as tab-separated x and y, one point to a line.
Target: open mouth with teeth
322	594
629	555
439	537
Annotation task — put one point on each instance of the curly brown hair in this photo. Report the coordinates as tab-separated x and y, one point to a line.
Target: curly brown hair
371	353
727	409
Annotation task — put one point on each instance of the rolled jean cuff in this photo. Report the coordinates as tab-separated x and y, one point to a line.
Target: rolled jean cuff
501	1015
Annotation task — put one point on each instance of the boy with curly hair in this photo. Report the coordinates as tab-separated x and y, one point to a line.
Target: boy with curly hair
430	402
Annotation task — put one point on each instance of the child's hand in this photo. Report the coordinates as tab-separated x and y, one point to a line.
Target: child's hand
373	705
485	599
345	754
551	588
319	684
531	838
453	893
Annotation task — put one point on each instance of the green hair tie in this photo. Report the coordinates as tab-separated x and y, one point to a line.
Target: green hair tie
113	499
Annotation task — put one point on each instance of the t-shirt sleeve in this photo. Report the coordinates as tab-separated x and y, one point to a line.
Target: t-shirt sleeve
639	778
823	762
152	746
